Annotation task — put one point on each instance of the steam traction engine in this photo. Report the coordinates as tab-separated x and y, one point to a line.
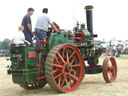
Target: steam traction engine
59	61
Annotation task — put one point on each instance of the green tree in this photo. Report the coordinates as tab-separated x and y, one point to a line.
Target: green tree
1	47
5	44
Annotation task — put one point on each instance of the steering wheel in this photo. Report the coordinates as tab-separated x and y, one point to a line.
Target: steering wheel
50	29
57	26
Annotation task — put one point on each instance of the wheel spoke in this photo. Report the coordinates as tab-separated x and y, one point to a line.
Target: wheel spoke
67	55
74	77
63	52
109	65
76	65
56	65
70	79
63	81
57	60
67	83
110	74
59	80
55	71
110	71
61	57
73	60
107	69
58	75
71	54
73	70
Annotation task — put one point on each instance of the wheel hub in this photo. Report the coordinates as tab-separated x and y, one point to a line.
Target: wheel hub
68	68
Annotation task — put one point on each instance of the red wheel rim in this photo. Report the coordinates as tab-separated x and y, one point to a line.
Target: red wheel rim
109	70
67	68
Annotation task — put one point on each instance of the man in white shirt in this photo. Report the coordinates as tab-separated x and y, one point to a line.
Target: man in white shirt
42	25
19	37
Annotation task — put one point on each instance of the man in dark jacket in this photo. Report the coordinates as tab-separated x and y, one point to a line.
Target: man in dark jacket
26	22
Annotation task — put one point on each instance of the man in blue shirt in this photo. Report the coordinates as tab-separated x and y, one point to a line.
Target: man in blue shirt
26	22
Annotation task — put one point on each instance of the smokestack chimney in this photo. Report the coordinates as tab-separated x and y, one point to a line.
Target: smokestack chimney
89	19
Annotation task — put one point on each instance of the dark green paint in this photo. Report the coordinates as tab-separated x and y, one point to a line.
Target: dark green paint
29	66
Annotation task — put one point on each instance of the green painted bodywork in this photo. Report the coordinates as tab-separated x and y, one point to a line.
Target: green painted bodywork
56	39
87	34
29	65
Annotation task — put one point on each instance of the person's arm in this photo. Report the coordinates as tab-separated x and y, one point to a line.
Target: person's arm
11	42
53	27
30	28
52	24
28	20
26	41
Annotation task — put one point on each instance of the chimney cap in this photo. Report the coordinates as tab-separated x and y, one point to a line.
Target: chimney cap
89	7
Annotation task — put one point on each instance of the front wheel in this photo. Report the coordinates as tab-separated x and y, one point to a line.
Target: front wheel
109	69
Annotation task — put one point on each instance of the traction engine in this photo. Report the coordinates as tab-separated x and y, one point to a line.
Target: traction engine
60	60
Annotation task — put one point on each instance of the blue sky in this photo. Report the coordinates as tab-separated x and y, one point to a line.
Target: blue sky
110	17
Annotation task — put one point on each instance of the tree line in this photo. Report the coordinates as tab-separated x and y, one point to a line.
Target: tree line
4	44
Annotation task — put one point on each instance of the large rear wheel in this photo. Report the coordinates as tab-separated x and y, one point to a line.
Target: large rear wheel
64	68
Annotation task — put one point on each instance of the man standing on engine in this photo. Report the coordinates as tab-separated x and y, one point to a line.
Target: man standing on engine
42	24
26	22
